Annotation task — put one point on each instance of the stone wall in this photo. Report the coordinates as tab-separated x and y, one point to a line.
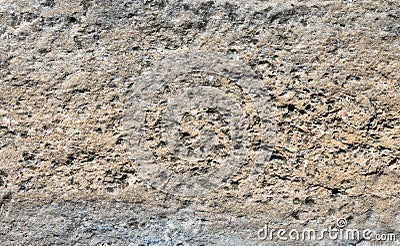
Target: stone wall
68	70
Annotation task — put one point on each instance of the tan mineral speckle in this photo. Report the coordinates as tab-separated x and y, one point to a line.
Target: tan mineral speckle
331	69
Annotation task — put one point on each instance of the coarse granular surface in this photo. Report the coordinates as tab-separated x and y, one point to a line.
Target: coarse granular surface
111	112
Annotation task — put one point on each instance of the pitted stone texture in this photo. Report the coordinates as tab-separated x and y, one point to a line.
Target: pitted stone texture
332	68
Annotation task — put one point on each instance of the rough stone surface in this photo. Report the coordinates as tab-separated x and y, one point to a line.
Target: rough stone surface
332	70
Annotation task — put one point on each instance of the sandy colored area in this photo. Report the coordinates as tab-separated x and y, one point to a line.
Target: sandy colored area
331	69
